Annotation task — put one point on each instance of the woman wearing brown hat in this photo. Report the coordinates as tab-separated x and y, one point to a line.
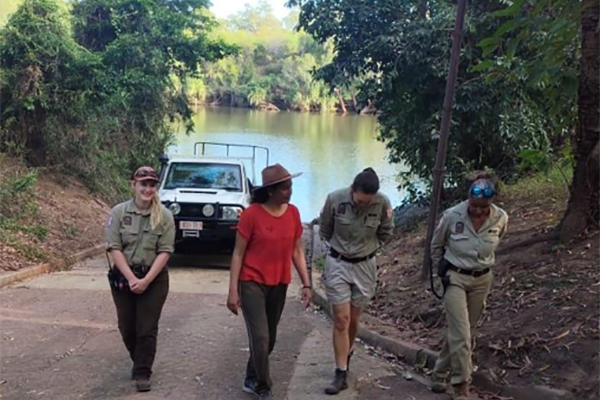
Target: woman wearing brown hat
267	242
140	234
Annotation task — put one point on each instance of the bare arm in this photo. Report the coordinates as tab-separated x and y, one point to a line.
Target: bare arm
159	263
300	263
299	259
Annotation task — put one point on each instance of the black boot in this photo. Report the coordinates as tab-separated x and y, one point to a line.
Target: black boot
339	382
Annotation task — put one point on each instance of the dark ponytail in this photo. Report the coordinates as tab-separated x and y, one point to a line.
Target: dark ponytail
367	182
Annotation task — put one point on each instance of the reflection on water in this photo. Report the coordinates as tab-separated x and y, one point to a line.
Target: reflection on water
329	149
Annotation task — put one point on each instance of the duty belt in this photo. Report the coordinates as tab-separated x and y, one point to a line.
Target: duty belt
338	256
470	272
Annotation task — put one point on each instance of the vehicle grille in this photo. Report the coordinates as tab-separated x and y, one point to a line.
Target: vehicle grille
194	210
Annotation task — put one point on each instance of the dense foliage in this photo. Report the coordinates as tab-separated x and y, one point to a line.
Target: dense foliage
400	49
273	67
562	55
92	90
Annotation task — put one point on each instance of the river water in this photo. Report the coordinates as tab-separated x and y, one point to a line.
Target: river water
329	149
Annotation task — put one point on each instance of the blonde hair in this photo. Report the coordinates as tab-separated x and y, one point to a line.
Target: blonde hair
155	212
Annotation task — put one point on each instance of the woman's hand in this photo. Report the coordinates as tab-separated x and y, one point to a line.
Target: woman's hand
139	286
306	296
233	301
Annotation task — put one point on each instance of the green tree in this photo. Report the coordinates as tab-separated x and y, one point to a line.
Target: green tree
47	80
399	51
272	66
96	97
560	42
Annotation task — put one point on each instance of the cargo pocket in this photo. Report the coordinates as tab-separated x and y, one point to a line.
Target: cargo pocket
150	240
129	237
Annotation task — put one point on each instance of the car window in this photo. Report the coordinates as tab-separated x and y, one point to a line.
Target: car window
204	176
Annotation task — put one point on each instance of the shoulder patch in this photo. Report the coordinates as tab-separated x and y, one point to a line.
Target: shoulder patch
390	212
109	221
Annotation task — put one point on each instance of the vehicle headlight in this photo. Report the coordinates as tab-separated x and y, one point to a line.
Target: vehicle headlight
231	212
175	208
208	210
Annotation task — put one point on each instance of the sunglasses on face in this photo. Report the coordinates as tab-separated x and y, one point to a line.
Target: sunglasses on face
479	192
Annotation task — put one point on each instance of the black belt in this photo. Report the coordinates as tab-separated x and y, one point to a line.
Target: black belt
337	255
470	272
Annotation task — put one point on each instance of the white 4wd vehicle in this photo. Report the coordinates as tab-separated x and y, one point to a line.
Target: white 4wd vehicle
207	195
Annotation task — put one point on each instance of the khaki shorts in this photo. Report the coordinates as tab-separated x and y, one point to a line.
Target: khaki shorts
346	282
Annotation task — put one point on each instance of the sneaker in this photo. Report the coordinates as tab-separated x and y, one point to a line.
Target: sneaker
249	386
265	396
143	385
339	382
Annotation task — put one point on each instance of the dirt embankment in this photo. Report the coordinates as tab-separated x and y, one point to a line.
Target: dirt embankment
60	217
543	315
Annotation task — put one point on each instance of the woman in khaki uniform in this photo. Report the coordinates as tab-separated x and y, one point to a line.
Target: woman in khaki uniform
140	236
463	247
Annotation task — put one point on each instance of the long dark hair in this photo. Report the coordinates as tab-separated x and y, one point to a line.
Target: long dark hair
263	194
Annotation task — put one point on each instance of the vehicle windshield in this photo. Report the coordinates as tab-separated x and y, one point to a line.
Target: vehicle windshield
204	176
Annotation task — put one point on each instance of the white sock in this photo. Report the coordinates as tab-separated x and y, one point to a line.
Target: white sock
344	368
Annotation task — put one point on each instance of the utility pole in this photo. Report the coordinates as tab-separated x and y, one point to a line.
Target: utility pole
440	161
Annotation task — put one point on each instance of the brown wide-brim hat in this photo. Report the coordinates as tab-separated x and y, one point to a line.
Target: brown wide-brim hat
145	174
275	174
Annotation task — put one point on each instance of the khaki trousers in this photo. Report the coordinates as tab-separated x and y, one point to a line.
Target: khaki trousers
464	303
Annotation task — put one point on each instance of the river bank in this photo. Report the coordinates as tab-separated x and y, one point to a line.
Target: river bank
349	107
44	216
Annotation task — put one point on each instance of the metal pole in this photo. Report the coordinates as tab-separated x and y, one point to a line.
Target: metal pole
440	161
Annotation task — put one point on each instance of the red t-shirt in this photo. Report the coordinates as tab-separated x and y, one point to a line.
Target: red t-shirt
268	258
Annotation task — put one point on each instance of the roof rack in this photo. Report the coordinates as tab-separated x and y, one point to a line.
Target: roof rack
229	146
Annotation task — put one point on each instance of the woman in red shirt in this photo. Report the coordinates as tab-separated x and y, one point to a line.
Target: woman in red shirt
269	239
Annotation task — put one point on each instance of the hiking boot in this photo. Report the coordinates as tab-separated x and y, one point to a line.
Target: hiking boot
339	382
461	391
143	385
265	396
249	386
438	385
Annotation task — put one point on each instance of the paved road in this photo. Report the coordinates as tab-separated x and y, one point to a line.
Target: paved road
58	340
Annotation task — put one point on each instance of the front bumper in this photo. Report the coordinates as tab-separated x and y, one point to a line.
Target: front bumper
215	235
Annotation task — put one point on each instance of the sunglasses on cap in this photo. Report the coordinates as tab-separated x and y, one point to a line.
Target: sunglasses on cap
145	173
479	192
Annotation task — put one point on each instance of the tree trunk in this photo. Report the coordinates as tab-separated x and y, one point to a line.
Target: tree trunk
354	102
583	209
338	92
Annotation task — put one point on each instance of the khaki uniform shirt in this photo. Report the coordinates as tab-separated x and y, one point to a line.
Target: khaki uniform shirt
351	233
455	238
128	229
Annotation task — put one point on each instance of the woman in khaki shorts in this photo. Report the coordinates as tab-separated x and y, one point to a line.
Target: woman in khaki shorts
354	221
